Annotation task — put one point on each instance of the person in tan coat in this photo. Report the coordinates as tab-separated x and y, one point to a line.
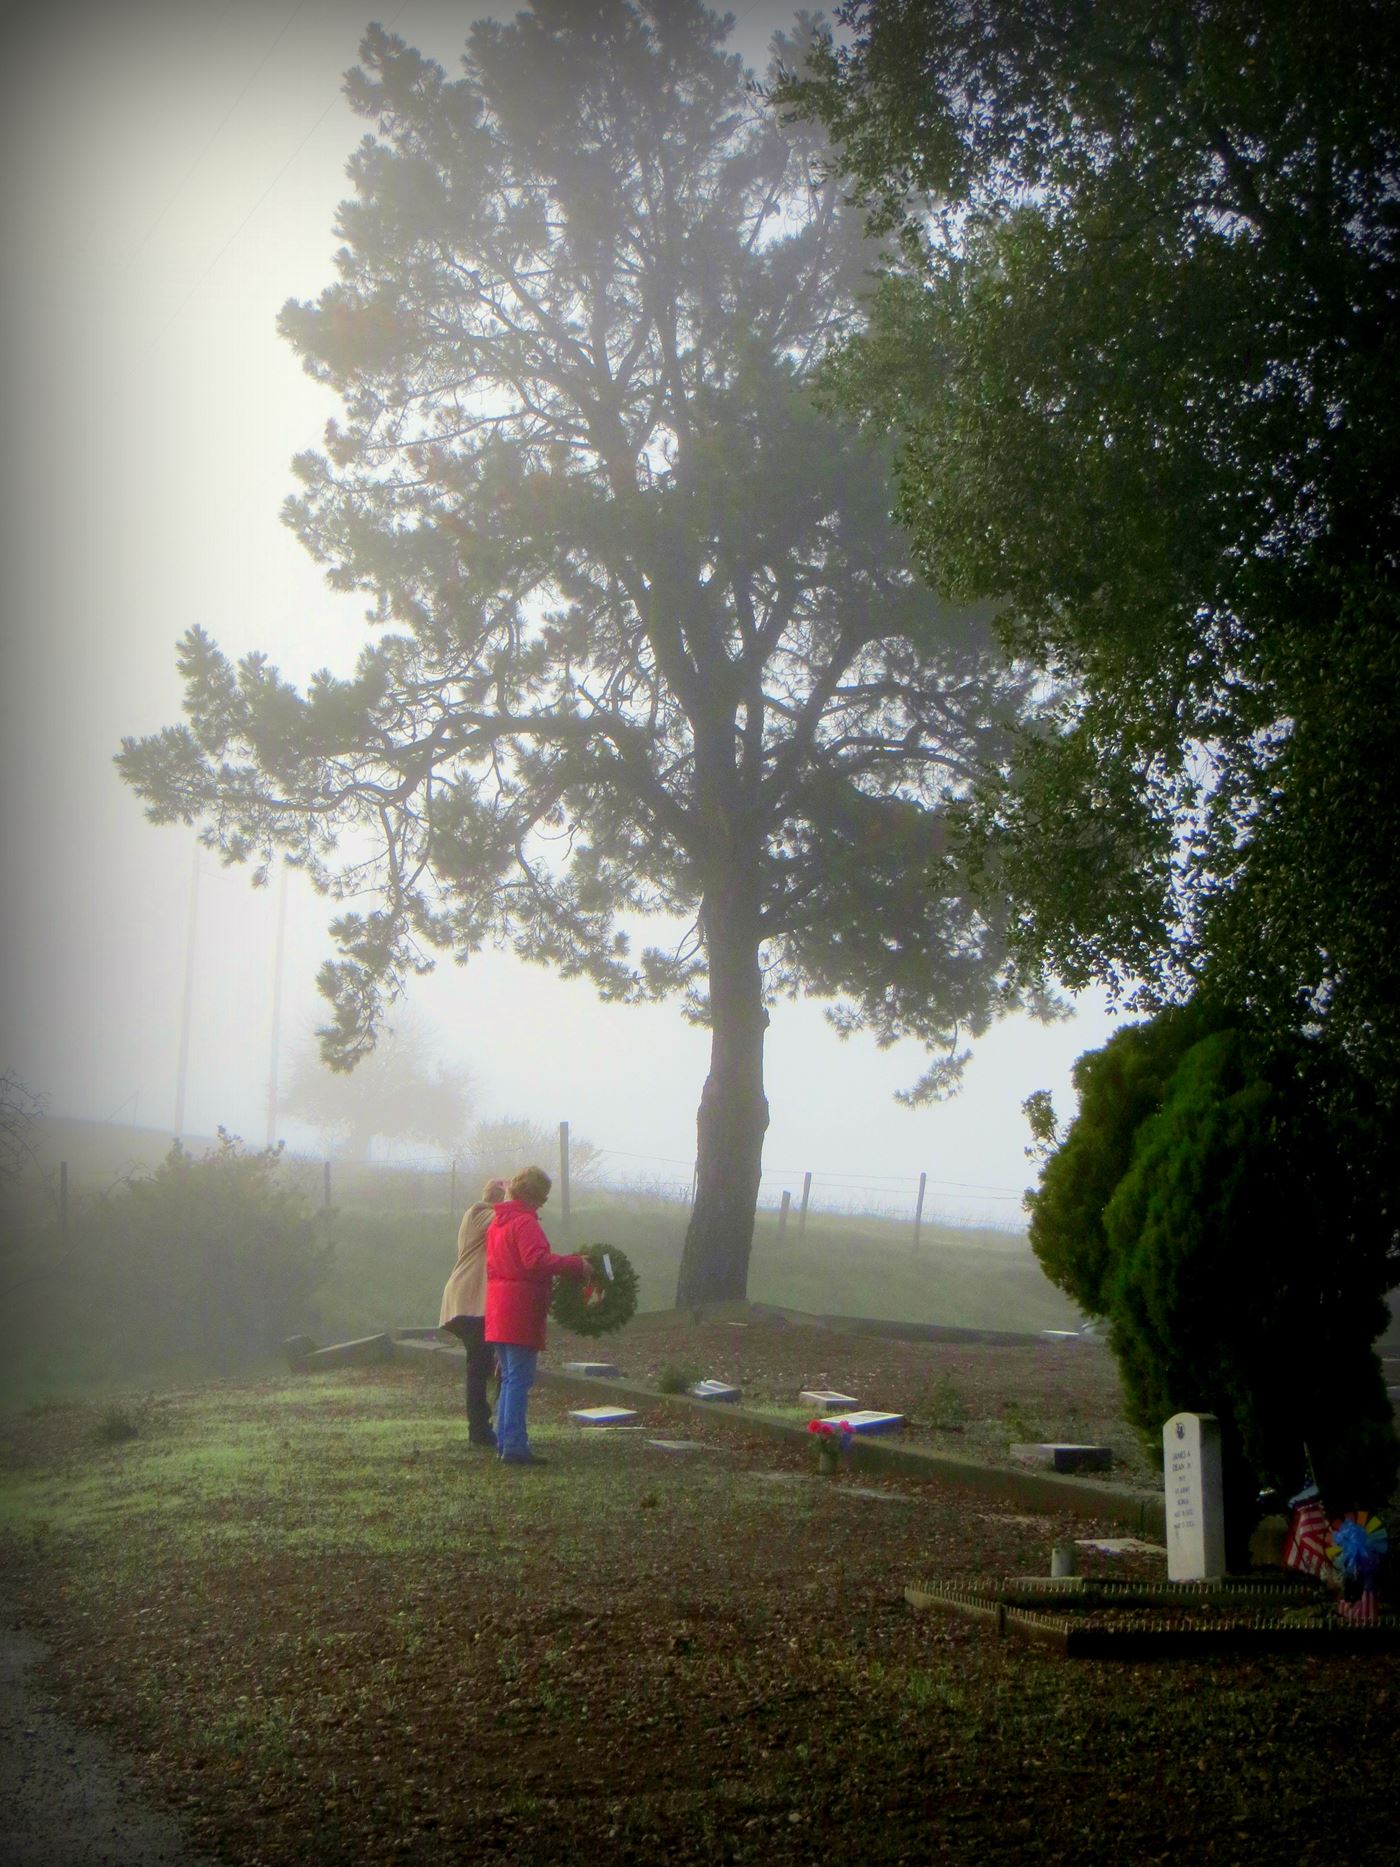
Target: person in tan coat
464	1310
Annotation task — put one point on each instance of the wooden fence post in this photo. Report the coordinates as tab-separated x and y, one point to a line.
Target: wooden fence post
63	1197
802	1213
783	1211
325	1186
919	1210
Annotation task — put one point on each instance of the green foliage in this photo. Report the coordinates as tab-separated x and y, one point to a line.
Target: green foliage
117	1423
614	1294
1118	1088
1227	1206
1140	359
947	1405
673	1378
1017	1426
209	1262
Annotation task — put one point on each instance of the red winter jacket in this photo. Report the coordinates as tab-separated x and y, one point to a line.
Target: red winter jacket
520	1269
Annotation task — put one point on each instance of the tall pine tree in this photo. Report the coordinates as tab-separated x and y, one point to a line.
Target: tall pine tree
645	641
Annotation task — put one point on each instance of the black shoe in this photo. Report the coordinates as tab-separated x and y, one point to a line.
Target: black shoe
528	1458
488	1444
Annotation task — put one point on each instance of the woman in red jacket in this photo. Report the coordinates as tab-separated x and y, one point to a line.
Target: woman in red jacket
520	1270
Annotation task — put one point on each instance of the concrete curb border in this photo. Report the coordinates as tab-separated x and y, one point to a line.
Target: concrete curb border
1141	1514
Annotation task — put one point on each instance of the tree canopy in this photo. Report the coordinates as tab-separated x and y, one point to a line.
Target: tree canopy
645	640
1140	356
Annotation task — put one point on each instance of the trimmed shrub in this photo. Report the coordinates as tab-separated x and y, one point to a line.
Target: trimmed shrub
1229	1208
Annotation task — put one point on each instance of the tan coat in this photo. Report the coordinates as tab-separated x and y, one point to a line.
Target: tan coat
465	1294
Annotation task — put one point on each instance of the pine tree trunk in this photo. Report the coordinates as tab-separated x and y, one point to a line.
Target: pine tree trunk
733	1115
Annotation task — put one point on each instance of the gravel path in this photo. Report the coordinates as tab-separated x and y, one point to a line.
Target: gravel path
66	1797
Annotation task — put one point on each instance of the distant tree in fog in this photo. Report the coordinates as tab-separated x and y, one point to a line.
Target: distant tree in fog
644	639
396	1094
504	1145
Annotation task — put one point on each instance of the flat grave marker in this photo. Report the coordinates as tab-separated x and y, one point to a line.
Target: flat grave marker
677	1445
827	1399
715	1390
600	1369
868	1421
1195	1498
602	1416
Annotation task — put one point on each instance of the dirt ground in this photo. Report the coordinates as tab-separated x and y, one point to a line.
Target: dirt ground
972	1398
316	1628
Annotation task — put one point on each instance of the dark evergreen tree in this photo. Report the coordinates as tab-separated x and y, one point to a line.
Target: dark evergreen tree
1143	362
644	638
1239	1246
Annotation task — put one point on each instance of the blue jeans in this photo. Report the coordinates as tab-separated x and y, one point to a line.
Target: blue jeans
517	1378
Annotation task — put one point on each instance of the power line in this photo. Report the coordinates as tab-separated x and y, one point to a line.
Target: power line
184	302
830	1173
214	134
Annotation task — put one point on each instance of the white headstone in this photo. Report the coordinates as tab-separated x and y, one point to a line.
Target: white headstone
827	1399
1195	1502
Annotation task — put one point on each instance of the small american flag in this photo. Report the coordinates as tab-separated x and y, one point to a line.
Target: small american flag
1364	1611
1305	1547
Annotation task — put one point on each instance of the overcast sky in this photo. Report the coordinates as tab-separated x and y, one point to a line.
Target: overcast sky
171	170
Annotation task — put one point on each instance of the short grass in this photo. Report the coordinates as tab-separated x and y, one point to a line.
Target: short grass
329	1632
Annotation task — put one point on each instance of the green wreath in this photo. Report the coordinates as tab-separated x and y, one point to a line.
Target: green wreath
605	1302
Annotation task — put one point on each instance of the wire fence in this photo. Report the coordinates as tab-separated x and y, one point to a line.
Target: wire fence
101	1155
448	1183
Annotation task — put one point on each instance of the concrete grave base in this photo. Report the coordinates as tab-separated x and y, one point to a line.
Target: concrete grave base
367	1352
602	1416
825	1400
1092	1619
600	1370
1065	1458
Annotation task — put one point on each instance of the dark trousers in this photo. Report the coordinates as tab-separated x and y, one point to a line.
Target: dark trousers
470	1331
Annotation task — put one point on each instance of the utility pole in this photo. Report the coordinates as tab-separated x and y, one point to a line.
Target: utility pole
182	1075
279	951
566	1223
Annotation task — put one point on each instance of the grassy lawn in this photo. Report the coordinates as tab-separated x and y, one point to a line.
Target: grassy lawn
390	1266
327	1632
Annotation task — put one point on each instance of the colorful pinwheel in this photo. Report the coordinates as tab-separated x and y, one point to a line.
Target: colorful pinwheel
1359	1541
